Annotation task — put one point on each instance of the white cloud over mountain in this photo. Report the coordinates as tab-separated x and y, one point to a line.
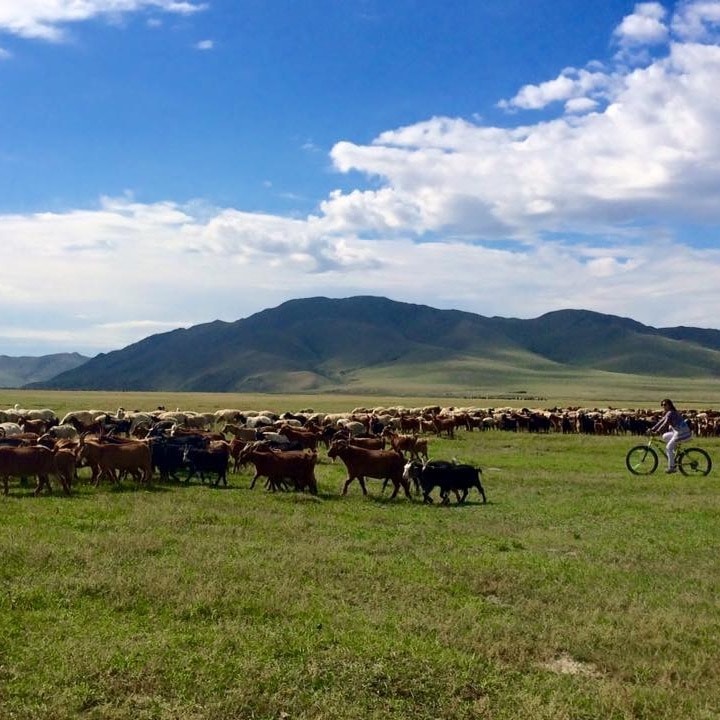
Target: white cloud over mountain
594	206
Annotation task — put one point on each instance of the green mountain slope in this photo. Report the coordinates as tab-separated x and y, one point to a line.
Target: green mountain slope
18	371
606	342
319	344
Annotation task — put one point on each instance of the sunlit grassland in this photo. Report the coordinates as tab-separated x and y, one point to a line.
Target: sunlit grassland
498	379
451	384
578	591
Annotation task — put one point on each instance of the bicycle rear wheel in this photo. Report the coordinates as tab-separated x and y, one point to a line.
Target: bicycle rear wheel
641	460
694	461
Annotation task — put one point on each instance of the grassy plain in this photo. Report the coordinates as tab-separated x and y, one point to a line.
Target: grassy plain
569	387
578	591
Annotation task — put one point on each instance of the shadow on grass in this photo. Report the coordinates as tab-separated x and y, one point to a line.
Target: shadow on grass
88	491
455	504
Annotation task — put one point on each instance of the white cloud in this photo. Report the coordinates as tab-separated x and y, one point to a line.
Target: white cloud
44	19
697	21
645	26
570	85
634	142
580	105
126	270
587	209
117	256
5	54
583	89
205	45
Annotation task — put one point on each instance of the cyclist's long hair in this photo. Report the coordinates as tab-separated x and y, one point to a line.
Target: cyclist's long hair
669	404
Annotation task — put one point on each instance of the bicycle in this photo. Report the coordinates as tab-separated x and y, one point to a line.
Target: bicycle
691	461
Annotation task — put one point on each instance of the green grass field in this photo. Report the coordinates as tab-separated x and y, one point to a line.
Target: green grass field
578	591
412	388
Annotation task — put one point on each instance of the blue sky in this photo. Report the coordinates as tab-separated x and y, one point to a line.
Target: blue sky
165	162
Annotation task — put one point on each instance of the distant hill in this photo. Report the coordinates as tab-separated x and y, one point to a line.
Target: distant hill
18	371
605	342
319	344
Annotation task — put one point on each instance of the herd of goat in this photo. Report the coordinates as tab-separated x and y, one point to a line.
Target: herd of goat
390	444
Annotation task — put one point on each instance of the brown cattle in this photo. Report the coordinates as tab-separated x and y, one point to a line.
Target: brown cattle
23	438
362	463
108	458
444	425
65	452
65	466
26	461
410	423
371	443
279	466
38	426
427	426
411	444
307	438
421	448
462	420
236	447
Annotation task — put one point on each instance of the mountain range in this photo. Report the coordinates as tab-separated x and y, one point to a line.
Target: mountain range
372	343
18	371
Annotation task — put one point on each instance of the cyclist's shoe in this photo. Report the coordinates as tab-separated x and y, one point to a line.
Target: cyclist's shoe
671	470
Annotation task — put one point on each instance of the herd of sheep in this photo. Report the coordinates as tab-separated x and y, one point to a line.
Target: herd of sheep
389	443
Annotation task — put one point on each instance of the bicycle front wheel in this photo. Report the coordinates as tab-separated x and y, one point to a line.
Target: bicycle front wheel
641	460
694	461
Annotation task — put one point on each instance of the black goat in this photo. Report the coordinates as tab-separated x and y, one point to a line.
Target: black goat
448	476
213	460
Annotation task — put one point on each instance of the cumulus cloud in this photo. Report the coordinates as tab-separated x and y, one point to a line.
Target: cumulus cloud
584	89
587	208
45	19
645	26
126	270
103	264
205	45
697	21
630	143
570	85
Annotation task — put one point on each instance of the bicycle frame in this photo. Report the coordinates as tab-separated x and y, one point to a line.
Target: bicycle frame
690	460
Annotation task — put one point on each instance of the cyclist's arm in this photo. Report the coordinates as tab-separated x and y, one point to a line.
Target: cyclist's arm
661	423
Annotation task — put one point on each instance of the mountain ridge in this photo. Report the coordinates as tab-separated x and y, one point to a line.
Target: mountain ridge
321	344
21	370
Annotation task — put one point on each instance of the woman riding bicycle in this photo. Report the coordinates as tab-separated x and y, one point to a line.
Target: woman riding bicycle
678	430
